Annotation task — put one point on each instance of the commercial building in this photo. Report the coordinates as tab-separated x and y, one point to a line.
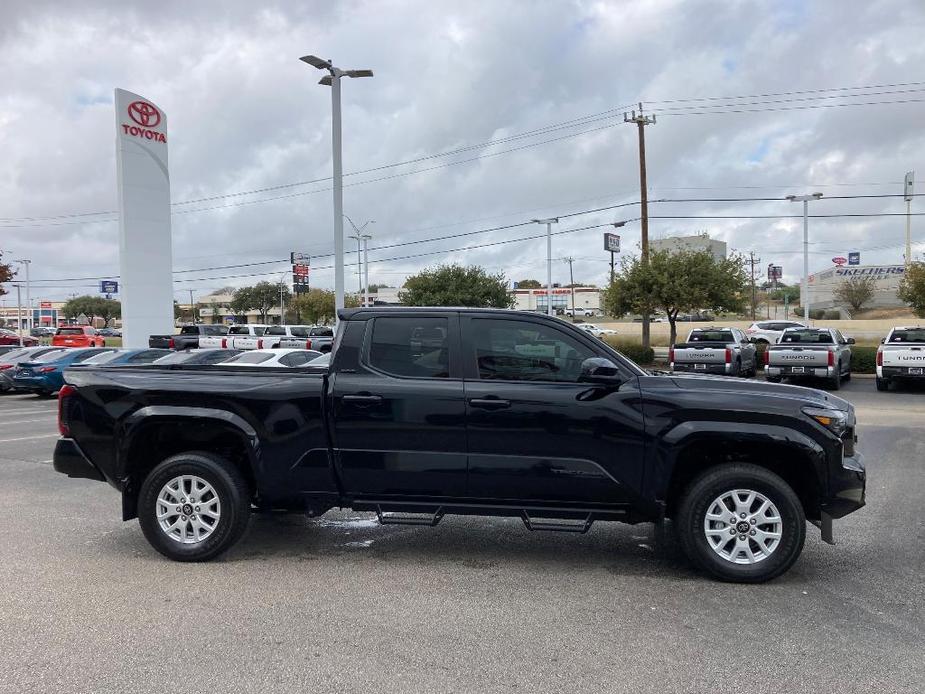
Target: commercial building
586	298
700	242
822	285
44	314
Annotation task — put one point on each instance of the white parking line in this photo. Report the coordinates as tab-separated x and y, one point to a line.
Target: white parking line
17	413
30	438
4	422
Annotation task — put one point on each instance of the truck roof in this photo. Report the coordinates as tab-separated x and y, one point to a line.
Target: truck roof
362	312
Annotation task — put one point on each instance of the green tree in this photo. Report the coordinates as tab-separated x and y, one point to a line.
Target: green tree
6	274
529	284
455	285
678	281
912	288
177	311
92	307
373	288
856	291
242	301
316	306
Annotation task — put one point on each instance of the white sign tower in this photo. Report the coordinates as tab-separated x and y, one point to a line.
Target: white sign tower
145	254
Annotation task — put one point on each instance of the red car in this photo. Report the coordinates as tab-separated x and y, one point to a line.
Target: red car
78	336
8	337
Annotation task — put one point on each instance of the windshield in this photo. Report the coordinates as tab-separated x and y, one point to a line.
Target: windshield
52	356
323	360
908	335
711	336
102	358
299	331
322	332
250	358
70	331
807	337
239	330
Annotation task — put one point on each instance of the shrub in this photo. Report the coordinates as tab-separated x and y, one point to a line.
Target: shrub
832	314
633	351
814	313
863	359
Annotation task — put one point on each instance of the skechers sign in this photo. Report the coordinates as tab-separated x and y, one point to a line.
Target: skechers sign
146	116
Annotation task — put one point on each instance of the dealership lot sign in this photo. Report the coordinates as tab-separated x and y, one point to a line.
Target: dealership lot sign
144	219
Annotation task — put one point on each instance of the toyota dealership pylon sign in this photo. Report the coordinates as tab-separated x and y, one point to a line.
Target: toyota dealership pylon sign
144	219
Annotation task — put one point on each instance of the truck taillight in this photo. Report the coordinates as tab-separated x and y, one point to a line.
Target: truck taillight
65	392
224	342
767	357
4	367
728	356
259	344
879	358
671	354
308	344
171	344
831	358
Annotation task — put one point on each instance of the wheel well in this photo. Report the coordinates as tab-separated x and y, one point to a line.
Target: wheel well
158	441
793	465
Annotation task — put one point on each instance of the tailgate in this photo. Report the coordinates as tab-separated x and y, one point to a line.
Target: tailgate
159	341
244	342
700	354
295	342
905	356
211	342
798	356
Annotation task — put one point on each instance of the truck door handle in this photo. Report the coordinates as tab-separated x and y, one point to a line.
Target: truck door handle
490	403
363	399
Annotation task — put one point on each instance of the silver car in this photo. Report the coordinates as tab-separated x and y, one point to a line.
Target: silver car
769	331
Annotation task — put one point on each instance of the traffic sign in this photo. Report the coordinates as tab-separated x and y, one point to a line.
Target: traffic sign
838	260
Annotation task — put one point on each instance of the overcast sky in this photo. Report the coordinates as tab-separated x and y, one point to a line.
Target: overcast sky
244	114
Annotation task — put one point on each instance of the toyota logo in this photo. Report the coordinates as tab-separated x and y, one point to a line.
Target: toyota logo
144	114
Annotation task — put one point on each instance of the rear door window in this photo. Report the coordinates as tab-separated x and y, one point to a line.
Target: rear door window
908	335
712	336
70	331
411	347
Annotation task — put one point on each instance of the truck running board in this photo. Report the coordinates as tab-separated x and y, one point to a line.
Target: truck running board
581	526
416	519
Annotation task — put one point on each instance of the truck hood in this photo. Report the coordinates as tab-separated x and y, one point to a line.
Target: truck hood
722	384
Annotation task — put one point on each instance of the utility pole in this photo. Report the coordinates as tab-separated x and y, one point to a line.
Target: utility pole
366	238
907	195
571	279
804	289
752	260
19	313
192	307
641	122
29	321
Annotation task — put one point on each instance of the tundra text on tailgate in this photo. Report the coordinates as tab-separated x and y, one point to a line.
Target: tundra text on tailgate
427	412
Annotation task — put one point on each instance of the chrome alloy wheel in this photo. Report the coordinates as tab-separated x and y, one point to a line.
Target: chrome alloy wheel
743	526
188	509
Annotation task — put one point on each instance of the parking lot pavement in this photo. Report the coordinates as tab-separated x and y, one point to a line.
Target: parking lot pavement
341	604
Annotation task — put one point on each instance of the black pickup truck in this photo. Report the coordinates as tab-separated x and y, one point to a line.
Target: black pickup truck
187	338
426	412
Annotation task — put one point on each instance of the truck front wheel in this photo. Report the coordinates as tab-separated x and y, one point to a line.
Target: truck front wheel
193	506
741	523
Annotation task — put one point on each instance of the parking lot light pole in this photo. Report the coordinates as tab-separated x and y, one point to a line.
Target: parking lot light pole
19	313
29	322
804	290
366	238
333	80
360	236
548	222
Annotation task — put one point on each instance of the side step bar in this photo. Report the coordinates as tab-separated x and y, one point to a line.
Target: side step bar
580	527
417	519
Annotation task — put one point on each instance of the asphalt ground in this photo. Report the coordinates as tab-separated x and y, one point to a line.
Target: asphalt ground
341	604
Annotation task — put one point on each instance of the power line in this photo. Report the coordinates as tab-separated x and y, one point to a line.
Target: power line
786	108
803	91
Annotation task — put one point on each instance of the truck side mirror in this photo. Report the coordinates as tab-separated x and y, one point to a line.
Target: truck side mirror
600	370
882	340
850	340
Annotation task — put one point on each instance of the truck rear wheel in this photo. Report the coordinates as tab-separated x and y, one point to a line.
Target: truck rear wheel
835	381
883	385
741	523
194	506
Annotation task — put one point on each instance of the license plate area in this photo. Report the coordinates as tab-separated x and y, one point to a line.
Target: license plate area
915	371
703	367
797	369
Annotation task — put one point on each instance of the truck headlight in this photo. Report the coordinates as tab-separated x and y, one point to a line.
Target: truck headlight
835	421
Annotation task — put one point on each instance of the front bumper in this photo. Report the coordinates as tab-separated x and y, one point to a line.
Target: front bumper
700	368
847	487
807	371
71	461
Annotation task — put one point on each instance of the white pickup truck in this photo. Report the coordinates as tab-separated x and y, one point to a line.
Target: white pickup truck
238	337
901	356
318	337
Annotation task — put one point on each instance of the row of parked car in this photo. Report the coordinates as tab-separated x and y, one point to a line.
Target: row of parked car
247	337
40	370
798	352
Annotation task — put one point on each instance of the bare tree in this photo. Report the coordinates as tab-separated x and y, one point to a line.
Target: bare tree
856	292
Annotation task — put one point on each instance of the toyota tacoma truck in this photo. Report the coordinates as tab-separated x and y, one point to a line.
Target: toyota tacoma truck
238	337
901	357
187	338
428	412
805	353
715	350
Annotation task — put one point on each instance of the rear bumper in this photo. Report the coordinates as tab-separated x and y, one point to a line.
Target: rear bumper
71	461
899	372
808	371
700	368
38	384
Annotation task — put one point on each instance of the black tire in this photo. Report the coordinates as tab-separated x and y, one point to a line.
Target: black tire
713	483
737	371
234	499
835	381
848	375
883	385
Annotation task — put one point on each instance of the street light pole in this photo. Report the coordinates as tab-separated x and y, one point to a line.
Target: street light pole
360	236
366	238
548	222
19	313
333	80
804	289
29	321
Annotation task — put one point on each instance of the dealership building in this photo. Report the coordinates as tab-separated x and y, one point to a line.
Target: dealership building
822	285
